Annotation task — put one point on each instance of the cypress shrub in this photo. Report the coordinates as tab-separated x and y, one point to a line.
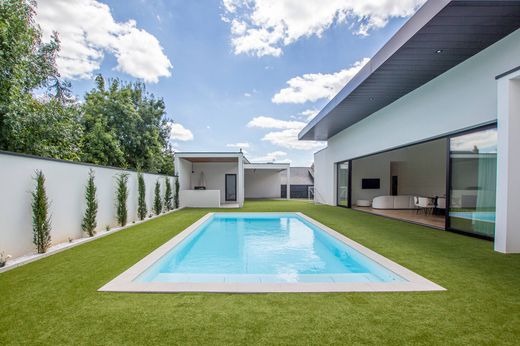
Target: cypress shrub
141	198
41	219
121	197
176	196
157	203
89	219
168	200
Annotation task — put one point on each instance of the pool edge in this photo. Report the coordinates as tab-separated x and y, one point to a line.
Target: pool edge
125	281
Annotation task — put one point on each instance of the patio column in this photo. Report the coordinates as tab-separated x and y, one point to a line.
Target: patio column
240	182
507	227
289	183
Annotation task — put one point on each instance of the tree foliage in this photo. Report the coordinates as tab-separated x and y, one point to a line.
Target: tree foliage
121	198
41	219
119	124
89	218
168	198
157	203
46	125
176	196
141	198
129	125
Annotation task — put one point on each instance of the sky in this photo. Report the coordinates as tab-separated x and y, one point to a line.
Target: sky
234	74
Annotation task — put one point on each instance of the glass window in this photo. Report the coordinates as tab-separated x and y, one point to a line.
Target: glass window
473	182
343	174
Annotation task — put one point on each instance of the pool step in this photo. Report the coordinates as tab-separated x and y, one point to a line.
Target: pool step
252	278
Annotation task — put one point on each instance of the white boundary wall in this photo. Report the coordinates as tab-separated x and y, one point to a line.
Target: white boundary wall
65	184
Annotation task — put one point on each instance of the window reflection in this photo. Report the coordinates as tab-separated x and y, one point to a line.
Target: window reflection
473	182
342	193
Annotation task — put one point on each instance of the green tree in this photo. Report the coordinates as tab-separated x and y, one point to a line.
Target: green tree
119	124
176	196
141	198
168	198
89	218
41	219
131	130
47	125
121	198
26	63
157	204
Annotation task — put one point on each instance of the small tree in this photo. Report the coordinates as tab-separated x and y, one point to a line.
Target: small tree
157	203
176	196
168	200
122	196
89	219
41	219
141	198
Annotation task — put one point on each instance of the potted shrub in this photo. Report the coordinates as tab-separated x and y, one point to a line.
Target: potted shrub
3	259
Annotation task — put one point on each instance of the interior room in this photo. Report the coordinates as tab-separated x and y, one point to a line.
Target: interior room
407	183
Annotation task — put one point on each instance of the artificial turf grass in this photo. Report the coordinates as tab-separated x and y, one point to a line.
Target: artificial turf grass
55	300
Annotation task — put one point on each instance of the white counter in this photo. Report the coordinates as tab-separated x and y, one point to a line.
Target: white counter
199	198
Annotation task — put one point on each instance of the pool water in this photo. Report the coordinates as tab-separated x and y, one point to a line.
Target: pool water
263	247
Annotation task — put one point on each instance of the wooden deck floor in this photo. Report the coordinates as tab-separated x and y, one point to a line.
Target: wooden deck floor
436	221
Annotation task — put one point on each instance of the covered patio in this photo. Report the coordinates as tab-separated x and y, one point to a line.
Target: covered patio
264	180
210	180
225	179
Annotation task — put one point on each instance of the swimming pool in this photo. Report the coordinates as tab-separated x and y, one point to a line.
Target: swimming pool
264	252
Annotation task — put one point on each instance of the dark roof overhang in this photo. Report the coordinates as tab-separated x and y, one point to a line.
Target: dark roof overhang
439	36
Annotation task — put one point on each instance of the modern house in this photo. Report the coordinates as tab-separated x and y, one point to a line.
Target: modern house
429	130
225	179
301	182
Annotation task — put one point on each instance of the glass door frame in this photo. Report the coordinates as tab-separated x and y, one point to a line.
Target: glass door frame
447	137
449	171
349	183
226	188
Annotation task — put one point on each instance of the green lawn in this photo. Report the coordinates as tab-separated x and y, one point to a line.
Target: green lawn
55	300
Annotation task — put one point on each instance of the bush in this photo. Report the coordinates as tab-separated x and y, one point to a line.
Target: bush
176	196
141	198
41	219
157	204
122	196
168	200
89	219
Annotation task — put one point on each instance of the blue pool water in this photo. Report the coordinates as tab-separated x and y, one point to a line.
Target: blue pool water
487	216
249	247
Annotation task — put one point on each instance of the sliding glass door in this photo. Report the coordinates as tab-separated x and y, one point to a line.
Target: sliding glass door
343	184
473	173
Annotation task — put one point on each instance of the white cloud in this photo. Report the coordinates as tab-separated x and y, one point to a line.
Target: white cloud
272	123
180	133
278	156
239	145
286	134
289	139
88	31
312	87
247	94
264	27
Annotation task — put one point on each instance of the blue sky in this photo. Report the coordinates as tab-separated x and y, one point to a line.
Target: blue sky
222	66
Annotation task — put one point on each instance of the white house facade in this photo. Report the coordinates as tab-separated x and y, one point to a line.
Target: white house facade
434	116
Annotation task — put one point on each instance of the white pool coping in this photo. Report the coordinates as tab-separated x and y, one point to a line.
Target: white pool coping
125	281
